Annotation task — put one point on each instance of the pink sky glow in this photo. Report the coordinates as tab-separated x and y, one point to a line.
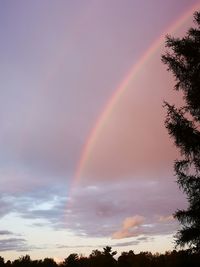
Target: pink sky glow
85	159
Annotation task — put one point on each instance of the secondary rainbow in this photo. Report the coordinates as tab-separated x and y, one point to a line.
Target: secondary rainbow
109	107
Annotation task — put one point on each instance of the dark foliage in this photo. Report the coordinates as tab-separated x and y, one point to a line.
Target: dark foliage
105	258
183	124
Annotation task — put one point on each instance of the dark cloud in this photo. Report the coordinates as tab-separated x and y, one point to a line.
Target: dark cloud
5	232
145	238
5	206
133	242
13	243
16	244
125	244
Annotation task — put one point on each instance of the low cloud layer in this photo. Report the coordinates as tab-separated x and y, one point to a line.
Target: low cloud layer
101	210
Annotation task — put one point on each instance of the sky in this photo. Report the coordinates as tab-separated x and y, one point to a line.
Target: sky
85	159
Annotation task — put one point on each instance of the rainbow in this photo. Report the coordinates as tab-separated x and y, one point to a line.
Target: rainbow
124	85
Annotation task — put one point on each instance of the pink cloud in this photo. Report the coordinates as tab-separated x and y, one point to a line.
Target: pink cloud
168	218
129	227
134	221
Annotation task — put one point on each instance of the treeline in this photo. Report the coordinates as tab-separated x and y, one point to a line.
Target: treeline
106	258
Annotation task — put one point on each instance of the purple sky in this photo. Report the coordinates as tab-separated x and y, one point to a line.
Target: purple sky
61	61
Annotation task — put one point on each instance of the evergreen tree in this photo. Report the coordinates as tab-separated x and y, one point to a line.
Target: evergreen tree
183	124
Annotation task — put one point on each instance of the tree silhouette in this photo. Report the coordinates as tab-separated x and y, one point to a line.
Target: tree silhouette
105	258
127	259
23	261
1	261
183	124
49	262
72	260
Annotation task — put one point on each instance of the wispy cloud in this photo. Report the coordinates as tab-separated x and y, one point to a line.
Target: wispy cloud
134	242
130	227
17	244
5	232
